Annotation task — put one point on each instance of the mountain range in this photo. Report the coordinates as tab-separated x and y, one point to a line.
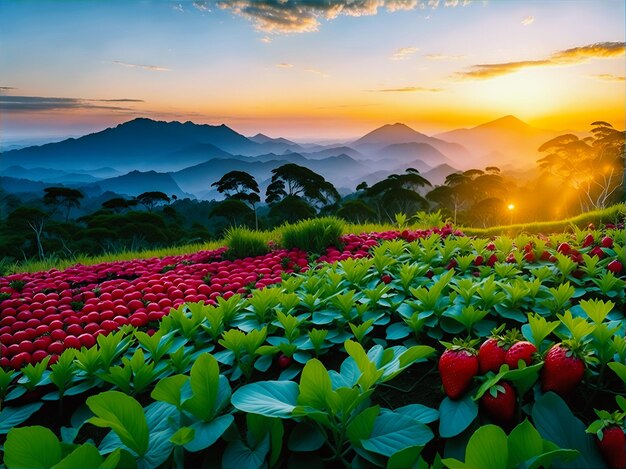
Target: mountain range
184	159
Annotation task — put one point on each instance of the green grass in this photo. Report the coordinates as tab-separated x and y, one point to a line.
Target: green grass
243	243
313	235
598	217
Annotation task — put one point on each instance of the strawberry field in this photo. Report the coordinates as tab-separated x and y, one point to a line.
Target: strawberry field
398	349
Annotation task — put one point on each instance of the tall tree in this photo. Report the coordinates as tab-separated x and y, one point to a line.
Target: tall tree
62	197
152	198
119	204
592	166
292	180
240	185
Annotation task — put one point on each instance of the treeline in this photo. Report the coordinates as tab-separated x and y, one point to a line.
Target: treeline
577	175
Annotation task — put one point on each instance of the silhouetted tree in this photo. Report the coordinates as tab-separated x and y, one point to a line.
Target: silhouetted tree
297	181
62	197
118	204
242	186
356	211
152	199
232	209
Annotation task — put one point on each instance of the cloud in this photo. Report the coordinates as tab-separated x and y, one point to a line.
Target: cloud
608	77
266	39
284	65
201	5
444	57
300	16
178	7
152	68
528	20
38	103
403	53
6	88
571	56
316	72
407	89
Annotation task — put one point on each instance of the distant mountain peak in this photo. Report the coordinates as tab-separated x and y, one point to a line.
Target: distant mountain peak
505	122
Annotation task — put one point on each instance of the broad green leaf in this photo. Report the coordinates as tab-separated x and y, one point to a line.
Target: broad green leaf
487	448
418	412
170	389
238	455
205	434
524	443
269	398
546	459
86	455
362	425
306	437
204	380
618	368
31	447
183	436
405	458
13	416
124	415
556	423
393	432
315	386
456	415
259	426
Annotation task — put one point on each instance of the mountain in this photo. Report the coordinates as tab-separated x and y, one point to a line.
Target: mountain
437	176
414	151
392	134
137	182
17	185
142	144
506	140
261	138
332	151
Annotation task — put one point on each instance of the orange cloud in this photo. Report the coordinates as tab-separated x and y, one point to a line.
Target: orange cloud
403	53
152	68
565	57
608	77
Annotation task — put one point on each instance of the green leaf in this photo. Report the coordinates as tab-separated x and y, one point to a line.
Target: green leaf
183	436
556	423
204	380
487	448
546	459
86	455
239	456
13	416
205	434
315	386
394	432
418	412
618	368
306	437
362	425
405	458
170	390
124	415
259	426
31	447
456	415
269	398
524	443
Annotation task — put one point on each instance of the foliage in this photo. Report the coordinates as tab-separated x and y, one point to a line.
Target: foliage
313	235
243	242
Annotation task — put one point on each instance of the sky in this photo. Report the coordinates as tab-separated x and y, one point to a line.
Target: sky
309	69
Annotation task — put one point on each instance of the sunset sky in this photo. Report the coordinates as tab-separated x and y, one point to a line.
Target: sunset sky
307	70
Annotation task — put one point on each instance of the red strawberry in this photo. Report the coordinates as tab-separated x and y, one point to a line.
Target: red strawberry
479	260
491	355
588	241
529	256
615	266
492	260
457	366
612	445
564	248
386	279
284	361
490	247
499	402
597	251
607	242
522	350
562	368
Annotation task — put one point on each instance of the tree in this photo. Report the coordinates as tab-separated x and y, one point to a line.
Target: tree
25	218
292	180
398	193
240	185
119	204
291	209
62	196
232	209
152	199
356	211
592	166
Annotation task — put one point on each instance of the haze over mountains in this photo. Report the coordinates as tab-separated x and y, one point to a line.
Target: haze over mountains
186	158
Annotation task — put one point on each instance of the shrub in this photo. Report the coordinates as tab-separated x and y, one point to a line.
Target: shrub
243	242
313	235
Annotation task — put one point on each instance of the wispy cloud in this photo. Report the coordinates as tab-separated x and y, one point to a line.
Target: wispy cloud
178	7
300	16
609	77
571	56
152	68
403	53
444	57
201	5
6	88
528	20
407	89
284	65
39	103
317	72
266	39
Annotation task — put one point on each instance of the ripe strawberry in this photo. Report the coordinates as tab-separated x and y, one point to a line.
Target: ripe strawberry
564	248
386	279
492	260
499	402
597	251
615	266
529	257
563	368
588	241
607	242
457	366
490	247
522	350
284	361
479	260
491	355
612	445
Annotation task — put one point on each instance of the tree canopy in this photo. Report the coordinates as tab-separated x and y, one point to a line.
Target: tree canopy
297	181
